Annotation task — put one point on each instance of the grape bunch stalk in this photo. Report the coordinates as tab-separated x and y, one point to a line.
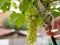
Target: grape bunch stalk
32	21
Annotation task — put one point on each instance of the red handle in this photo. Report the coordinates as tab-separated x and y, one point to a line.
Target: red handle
50	33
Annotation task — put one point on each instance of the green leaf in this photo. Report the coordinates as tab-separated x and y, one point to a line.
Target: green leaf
40	22
44	3
58	9
2	2
4	5
27	1
18	19
9	1
35	3
23	7
13	17
31	10
25	4
55	13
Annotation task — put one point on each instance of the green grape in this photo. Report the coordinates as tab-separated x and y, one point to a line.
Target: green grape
32	21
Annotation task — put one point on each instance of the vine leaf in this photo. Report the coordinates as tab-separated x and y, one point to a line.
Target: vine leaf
18	19
55	13
5	5
40	22
58	9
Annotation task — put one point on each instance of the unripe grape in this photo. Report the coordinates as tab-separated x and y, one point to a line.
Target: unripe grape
31	25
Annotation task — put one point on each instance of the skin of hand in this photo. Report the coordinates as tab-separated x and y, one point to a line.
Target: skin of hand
55	23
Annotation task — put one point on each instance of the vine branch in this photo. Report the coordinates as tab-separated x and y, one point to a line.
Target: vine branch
43	10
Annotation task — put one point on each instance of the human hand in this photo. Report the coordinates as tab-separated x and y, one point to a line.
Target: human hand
56	25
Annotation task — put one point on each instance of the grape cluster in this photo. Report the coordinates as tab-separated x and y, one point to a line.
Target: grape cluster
31	25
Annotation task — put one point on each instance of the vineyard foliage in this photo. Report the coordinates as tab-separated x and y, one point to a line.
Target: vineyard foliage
29	10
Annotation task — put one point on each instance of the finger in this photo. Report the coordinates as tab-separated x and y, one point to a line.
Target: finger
57	38
54	30
56	33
